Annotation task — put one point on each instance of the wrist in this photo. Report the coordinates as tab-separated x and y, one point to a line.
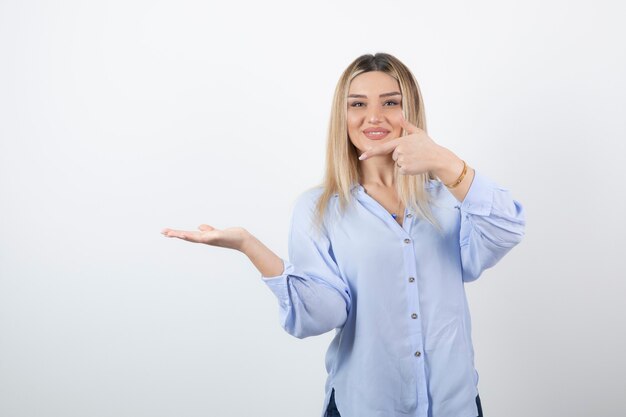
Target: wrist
448	166
246	241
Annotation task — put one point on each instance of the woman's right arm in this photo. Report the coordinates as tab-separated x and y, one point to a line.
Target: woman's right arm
313	298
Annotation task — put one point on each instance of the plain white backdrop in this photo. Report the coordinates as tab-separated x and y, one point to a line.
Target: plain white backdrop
119	118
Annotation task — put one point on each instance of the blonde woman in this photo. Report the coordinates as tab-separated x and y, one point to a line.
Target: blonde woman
381	250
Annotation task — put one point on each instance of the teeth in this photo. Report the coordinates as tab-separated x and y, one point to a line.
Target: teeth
376	133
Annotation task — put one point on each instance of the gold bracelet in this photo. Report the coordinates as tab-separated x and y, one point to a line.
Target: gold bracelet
458	180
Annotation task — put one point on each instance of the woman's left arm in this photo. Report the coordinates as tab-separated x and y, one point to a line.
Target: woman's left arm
492	222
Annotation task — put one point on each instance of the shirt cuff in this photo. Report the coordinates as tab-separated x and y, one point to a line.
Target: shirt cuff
479	197
278	284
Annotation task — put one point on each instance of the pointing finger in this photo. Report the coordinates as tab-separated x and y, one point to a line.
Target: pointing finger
387	147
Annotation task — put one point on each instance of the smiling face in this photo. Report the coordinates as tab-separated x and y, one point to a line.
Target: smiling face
374	109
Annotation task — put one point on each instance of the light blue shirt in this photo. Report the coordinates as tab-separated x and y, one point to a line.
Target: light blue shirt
395	296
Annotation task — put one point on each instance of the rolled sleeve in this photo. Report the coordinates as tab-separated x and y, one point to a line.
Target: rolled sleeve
312	295
278	284
492	223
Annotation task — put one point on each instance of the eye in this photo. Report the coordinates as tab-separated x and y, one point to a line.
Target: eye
356	104
393	102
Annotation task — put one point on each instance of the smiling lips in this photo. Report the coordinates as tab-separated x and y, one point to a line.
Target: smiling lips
375	133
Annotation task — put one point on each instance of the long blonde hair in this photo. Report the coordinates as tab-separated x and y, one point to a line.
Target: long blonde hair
342	164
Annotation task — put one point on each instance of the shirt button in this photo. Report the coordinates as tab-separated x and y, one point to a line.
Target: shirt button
417	353
409	215
414	316
411	279
407	240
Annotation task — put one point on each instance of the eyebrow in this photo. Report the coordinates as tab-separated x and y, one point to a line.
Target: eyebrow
394	93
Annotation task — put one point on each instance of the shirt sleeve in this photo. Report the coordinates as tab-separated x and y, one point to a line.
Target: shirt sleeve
492	223
313	298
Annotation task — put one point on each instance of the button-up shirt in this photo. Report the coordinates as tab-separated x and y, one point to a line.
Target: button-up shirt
395	296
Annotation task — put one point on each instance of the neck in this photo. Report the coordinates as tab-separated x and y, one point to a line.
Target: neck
378	171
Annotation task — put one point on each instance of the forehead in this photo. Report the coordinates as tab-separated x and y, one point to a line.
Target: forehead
373	82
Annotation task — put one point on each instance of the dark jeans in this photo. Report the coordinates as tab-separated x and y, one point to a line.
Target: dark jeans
332	411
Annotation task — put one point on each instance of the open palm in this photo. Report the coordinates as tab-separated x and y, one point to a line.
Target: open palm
231	238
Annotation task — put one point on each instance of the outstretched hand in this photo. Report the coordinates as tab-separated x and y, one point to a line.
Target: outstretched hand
231	238
415	153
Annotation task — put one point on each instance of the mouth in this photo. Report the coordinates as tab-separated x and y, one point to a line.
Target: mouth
375	133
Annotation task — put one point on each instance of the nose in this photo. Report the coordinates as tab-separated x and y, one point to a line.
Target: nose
373	115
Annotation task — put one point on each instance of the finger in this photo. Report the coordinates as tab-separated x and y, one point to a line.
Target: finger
181	234
394	155
409	127
168	232
385	148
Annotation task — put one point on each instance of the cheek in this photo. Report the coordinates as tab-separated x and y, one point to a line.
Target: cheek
353	122
395	117
352	118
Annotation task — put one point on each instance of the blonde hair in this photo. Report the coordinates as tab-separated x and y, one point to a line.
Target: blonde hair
342	164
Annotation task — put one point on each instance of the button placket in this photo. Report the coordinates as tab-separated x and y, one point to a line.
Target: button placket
413	307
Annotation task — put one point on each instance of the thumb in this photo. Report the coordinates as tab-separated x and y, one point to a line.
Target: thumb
205	228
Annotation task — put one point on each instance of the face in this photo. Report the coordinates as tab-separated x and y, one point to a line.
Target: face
374	109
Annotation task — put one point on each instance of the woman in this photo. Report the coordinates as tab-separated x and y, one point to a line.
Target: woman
381	250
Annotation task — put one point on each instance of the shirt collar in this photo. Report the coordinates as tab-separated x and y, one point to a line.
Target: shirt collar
431	184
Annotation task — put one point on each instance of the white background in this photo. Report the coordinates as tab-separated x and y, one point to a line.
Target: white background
119	118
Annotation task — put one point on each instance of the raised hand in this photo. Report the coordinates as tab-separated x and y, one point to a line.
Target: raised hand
231	238
415	153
